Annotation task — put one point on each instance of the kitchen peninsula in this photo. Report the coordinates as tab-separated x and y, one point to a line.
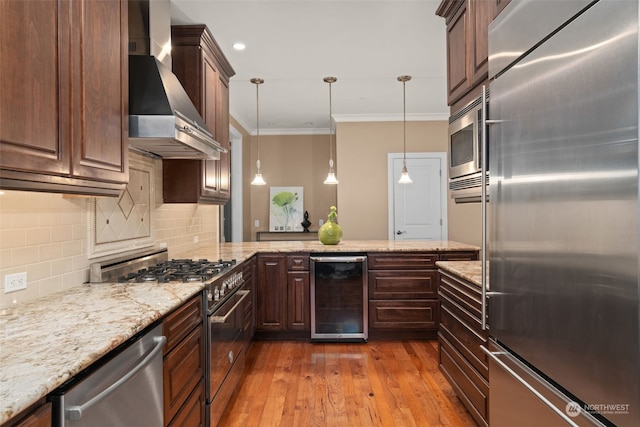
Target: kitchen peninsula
47	341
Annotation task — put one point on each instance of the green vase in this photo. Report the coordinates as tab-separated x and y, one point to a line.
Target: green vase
330	233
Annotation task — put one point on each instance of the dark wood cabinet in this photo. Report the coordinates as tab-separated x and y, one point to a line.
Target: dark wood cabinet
64	96
204	71
460	339
403	293
249	277
467	24
283	295
298	300
183	365
272	292
41	416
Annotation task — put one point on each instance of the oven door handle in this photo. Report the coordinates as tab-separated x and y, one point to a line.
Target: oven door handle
74	413
223	319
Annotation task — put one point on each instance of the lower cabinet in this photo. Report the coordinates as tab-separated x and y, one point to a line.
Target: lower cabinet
249	276
183	366
38	417
403	292
460	339
283	284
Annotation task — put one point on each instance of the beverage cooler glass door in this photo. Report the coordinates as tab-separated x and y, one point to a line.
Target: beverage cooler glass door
339	298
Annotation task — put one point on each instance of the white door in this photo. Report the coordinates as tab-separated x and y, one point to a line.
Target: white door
417	211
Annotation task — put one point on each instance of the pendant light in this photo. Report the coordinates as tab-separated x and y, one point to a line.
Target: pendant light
258	180
331	177
404	178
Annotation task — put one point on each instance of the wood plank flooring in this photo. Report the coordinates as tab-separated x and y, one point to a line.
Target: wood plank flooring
382	384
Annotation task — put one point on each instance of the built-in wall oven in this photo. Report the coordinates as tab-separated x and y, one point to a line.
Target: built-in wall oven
339	297
466	132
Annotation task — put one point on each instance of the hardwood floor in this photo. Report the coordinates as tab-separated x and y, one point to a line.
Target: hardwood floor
344	384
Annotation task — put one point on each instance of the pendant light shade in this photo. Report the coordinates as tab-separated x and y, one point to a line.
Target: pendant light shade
331	177
404	177
258	180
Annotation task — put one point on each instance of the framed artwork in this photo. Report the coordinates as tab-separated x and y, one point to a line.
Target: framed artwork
286	208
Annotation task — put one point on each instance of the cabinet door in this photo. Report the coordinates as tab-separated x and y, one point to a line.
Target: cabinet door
272	293
457	54
222	134
298	301
34	86
64	98
100	97
40	417
183	370
210	182
481	14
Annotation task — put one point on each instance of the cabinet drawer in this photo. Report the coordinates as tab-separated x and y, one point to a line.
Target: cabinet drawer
298	262
401	260
462	292
403	314
182	321
192	412
183	369
459	256
387	284
465	340
472	389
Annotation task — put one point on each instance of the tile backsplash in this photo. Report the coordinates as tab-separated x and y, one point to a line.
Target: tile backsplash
47	236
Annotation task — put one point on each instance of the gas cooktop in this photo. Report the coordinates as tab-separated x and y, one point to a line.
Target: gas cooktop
181	270
156	267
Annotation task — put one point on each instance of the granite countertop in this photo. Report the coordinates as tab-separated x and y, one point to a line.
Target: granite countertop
46	341
468	270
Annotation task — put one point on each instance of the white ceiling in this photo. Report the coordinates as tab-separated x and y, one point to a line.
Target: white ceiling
294	44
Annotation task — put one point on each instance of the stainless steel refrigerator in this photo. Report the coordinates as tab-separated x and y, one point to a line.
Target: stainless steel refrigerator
563	234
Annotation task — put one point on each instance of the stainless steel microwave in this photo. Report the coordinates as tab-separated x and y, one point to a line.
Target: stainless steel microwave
465	152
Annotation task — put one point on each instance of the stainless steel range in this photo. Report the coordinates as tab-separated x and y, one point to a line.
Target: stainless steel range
227	302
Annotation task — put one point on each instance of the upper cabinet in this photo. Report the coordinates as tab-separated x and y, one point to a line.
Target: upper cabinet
467	46
204	71
63	96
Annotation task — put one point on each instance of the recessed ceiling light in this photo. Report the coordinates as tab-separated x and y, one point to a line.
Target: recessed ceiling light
239	46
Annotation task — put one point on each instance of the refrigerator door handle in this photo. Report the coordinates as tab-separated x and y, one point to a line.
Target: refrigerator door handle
483	186
495	358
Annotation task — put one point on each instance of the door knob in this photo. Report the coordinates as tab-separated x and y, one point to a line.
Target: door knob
400	232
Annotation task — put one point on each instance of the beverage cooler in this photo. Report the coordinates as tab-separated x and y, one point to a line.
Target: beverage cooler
339	297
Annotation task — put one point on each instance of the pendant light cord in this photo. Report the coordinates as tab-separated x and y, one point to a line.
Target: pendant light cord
330	132
404	124
258	121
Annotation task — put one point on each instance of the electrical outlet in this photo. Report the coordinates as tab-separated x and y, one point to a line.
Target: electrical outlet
256	223
15	282
320	222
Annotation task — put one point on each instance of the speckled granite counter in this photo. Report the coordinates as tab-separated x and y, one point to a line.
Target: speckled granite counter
47	341
242	251
468	270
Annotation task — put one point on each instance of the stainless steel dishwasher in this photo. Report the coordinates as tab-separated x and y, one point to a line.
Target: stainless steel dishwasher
124	391
339	297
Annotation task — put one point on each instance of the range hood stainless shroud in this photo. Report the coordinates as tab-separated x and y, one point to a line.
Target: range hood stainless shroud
162	118
163	121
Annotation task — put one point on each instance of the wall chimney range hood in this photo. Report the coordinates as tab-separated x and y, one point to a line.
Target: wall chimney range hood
163	121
